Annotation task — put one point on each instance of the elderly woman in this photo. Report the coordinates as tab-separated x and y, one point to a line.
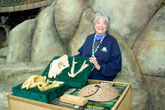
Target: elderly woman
103	51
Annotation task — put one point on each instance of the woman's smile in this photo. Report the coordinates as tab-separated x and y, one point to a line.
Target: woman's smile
101	26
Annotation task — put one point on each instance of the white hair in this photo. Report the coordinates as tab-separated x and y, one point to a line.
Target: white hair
101	15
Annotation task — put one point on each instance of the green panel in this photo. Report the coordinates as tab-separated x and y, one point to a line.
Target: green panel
77	82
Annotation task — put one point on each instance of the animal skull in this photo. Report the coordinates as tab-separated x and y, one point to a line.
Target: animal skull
40	82
43	88
57	66
34	81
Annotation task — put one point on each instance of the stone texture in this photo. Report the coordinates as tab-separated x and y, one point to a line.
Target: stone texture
19	71
67	16
156	88
17	8
151	57
46	42
50	1
85	28
2	60
30	6
150	54
4	52
43	3
128	16
150	47
10	9
20	40
36	5
140	100
23	7
3	9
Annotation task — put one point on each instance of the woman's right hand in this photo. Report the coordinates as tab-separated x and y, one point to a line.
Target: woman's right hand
93	60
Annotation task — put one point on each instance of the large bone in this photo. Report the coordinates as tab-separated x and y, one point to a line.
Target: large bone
46	87
40	82
57	66
72	74
34	81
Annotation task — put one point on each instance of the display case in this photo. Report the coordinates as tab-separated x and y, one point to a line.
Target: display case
122	102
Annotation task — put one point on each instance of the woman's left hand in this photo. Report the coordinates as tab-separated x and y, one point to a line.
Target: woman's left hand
94	61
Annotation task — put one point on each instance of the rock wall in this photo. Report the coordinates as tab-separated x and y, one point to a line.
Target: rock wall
150	53
23	33
62	28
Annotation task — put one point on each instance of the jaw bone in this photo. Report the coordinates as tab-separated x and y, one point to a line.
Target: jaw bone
40	82
34	81
46	87
57	66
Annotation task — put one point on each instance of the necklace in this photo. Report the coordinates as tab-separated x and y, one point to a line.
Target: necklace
94	50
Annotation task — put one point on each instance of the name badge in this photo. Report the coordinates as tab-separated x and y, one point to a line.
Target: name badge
104	49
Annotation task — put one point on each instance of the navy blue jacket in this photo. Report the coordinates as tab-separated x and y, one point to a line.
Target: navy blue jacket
108	56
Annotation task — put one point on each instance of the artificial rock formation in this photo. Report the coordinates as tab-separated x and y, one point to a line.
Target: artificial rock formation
128	17
67	16
20	42
85	28
150	53
45	39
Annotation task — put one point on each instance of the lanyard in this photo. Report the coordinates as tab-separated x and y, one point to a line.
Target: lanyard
94	50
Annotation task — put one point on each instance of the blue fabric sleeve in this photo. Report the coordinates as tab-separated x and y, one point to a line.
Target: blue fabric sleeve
80	50
114	64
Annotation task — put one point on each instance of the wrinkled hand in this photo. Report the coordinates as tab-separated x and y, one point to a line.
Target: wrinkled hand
94	61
